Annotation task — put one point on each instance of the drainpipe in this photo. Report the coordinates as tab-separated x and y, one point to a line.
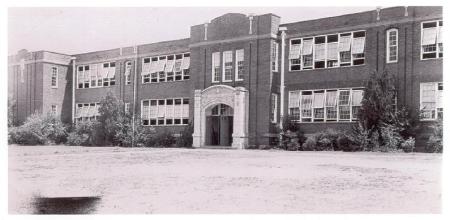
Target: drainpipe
74	70
134	94
283	45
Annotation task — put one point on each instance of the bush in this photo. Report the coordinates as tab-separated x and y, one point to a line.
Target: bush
408	145
345	143
185	138
39	129
434	143
391	138
290	141
164	139
310	144
327	140
86	133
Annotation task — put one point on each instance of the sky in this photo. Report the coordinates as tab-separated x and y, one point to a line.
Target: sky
78	30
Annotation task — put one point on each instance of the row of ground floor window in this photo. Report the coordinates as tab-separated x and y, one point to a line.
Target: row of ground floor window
320	105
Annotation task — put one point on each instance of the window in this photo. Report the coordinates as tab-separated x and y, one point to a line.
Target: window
319	52
216	67
87	111
358	44
127	107
54	109
431	98
96	75
239	65
54	77
165	111
274	57
330	51
325	105
128	67
392	46
432	43
185	66
294	54
274	108
168	68
227	66
22	70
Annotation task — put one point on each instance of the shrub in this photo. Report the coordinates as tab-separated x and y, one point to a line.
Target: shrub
434	143
345	143
39	129
164	139
408	145
310	144
391	138
327	140
290	141
185	138
86	133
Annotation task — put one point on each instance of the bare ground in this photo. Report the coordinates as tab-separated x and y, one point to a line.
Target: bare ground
147	180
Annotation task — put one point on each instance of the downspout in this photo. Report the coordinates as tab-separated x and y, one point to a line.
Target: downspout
283	45
73	88
134	94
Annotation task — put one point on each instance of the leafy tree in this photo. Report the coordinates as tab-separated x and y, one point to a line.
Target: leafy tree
11	106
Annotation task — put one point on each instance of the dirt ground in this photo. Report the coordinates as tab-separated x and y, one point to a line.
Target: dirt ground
140	181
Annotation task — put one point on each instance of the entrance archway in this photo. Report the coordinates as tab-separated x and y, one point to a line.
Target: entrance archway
219	125
230	106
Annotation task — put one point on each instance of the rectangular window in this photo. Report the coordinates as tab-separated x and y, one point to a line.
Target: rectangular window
358	45
227	66
431	105
274	108
165	111
294	54
87	111
345	42
319	52
239	65
128	71
185	66
54	109
432	43
216	67
274	57
335	105
83	76
332	51
307	53
54	77
392	46
177	67
127	107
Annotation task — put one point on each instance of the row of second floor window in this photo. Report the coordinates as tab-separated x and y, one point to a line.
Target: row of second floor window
327	51
167	68
154	69
227	65
96	75
172	111
346	49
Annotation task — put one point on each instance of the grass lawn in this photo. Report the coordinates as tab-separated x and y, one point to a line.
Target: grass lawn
150	180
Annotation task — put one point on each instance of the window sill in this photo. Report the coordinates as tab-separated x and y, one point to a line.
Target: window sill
328	68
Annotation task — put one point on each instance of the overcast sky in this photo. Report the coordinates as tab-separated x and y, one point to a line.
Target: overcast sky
79	30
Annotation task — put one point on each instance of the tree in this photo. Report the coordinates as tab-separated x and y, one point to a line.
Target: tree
11	106
380	123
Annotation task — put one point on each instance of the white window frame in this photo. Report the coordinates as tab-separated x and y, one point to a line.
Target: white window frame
274	59
302	66
274	107
388	45
95	104
183	120
54	74
54	111
300	56
237	65
421	38
128	77
224	67
150	76
325	119
213	68
436	94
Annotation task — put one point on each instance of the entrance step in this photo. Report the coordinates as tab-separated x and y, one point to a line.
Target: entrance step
217	147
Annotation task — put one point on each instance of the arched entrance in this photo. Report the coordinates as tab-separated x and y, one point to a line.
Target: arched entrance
219	125
221	117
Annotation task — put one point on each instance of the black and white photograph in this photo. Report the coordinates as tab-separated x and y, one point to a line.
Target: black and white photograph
224	110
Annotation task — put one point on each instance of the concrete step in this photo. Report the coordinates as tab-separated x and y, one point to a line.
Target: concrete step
217	147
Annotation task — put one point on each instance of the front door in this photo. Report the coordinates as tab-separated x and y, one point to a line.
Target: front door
220	126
